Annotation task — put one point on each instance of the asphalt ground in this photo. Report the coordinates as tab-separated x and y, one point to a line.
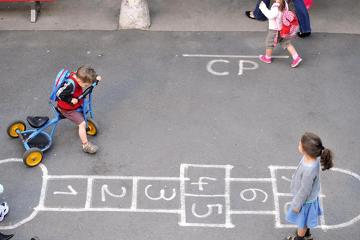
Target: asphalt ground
158	108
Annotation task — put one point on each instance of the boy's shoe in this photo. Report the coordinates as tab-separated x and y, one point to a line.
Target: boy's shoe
265	59
90	148
5	237
296	62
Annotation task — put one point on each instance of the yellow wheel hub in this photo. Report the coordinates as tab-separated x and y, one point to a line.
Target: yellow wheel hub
33	159
91	129
14	127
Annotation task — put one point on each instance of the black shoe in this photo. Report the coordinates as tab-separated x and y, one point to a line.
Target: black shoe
250	14
304	35
5	237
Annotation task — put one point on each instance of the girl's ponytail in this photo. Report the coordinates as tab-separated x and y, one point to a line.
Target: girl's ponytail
312	145
326	159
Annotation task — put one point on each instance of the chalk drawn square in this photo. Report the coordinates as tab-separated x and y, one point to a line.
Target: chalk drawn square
111	193
283	179
158	194
205	181
66	193
251	196
205	210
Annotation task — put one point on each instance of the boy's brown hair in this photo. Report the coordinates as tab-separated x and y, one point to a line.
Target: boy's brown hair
86	74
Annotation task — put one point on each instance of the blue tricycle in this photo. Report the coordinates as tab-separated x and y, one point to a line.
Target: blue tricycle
37	140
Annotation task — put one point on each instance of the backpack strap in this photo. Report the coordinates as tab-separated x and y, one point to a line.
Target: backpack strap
70	81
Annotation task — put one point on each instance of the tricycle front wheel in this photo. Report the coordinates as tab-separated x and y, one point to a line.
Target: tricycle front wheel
92	128
16	125
32	157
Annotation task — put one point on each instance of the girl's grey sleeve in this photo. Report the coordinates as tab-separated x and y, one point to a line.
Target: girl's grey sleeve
300	197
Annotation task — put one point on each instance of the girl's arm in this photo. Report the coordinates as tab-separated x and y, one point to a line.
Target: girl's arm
300	197
270	14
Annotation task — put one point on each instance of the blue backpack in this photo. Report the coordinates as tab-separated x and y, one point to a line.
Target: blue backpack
61	78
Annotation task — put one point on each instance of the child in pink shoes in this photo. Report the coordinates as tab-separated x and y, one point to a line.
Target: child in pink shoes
274	14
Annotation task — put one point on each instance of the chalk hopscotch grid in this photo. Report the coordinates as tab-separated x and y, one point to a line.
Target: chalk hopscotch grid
183	194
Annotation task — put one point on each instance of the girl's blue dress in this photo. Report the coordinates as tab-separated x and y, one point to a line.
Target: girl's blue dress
307	217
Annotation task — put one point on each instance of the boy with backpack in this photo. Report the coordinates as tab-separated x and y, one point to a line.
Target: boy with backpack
68	103
283	25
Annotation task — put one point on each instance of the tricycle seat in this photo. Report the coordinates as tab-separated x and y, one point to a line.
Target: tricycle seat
37	121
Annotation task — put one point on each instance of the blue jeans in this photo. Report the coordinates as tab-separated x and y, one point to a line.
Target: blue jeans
300	10
302	15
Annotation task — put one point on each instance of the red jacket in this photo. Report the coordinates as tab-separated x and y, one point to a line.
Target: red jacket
67	92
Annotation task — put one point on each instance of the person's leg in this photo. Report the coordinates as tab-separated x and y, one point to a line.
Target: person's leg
88	147
296	58
268	52
301	232
303	16
82	133
292	51
257	12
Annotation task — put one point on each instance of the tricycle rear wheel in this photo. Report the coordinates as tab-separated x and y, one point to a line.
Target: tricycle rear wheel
16	125
32	157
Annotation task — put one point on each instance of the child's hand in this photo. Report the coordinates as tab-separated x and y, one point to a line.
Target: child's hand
74	101
296	210
98	77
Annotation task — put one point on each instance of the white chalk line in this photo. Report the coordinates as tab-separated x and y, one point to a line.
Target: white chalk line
249	179
41	199
205	195
106	209
227	197
355	219
240	212
276	199
273	169
205	225
228	56
134	194
89	193
186	165
182	221
291	195
71	189
96	177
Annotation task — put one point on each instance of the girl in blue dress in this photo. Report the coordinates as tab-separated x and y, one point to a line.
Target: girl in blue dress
305	208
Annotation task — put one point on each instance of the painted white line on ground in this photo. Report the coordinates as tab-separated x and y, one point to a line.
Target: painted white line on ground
134	194
228	56
249	179
205	195
227	197
106	209
276	199
182	212
253	212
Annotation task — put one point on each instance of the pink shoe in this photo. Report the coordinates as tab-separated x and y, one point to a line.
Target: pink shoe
296	62
265	59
